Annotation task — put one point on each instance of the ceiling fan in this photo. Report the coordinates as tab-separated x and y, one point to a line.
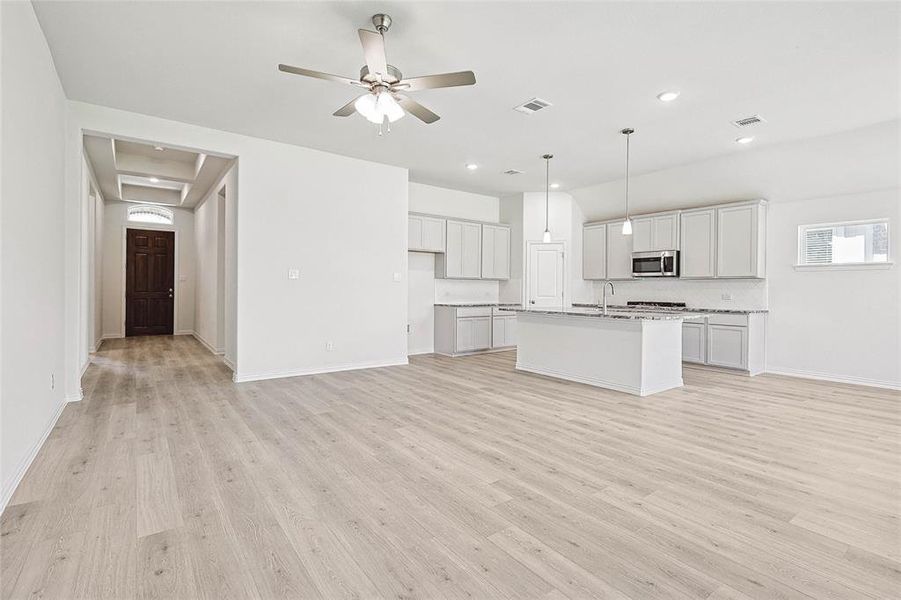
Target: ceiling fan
385	96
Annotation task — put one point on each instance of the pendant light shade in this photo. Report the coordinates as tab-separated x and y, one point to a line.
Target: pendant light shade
627	224
546	238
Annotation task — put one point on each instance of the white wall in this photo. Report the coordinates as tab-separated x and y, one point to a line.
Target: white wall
833	324
207	302
32	138
837	324
114	224
424	290
341	221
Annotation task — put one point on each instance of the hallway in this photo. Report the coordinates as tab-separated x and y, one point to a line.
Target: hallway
170	481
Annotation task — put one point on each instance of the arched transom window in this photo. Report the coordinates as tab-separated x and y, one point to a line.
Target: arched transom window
148	213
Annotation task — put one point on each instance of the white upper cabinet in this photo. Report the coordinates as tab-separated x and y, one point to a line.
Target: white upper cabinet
619	252
462	258
425	234
594	252
495	252
666	231
655	232
741	240
698	254
642	234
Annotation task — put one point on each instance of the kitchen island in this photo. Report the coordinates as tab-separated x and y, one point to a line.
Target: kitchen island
625	350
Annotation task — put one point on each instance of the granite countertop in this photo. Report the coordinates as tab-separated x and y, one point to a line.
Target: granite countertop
613	313
470	304
733	311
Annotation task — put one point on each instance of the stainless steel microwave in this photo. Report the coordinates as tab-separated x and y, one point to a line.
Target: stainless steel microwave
662	263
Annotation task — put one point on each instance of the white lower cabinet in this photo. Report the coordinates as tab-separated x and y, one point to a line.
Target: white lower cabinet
473	333
729	340
468	329
694	341
727	346
503	331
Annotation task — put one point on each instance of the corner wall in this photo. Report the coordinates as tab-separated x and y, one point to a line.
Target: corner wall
32	292
341	221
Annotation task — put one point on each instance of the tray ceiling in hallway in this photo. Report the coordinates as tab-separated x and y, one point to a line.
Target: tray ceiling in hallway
810	69
144	172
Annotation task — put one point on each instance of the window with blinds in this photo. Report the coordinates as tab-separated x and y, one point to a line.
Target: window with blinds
150	214
858	242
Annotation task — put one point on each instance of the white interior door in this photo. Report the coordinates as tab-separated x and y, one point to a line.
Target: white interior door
546	275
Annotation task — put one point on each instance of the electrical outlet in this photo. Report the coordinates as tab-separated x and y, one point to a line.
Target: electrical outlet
293	273
52	381
397	277
409	328
329	346
727	296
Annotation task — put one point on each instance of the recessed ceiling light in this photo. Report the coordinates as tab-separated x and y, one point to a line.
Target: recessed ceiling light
472	166
667	96
744	140
158	148
154	180
554	186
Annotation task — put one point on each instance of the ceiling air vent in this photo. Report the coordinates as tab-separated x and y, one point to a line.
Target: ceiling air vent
513	172
748	121
533	105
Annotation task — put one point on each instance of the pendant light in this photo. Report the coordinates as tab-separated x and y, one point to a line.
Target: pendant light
627	224
547	198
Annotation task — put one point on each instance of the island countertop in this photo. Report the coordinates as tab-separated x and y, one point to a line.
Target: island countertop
725	311
620	313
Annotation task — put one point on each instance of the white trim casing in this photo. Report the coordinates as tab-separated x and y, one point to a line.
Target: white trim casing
245	377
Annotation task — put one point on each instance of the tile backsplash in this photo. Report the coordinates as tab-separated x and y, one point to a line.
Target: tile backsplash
465	290
745	293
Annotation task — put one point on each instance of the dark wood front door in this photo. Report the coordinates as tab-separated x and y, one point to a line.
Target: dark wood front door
149	282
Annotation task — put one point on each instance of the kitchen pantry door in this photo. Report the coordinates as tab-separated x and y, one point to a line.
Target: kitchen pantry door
149	282
546	264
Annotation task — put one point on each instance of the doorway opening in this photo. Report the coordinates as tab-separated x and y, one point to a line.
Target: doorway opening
547	266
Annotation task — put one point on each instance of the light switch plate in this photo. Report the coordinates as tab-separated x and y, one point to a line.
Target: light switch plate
293	273
727	296
397	277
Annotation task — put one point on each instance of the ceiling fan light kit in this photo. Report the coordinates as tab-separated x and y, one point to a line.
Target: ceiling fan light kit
384	83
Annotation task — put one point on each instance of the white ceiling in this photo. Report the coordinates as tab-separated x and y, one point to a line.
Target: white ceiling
133	171
809	68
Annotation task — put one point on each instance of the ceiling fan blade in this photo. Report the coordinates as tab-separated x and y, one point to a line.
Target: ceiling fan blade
317	74
443	80
374	51
346	110
417	110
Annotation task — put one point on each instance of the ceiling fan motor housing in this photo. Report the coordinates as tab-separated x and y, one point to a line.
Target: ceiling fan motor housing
392	76
382	22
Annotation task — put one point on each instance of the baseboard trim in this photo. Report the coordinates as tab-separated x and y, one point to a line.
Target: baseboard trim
628	389
9	487
112	336
245	377
84	368
76	397
228	363
206	344
891	385
184	332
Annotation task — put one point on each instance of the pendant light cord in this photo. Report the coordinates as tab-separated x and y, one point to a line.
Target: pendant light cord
547	193
628	135
628	131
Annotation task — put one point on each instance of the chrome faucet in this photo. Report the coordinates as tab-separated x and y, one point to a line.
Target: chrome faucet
612	293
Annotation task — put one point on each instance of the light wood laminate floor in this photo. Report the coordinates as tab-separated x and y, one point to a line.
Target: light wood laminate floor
454	478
